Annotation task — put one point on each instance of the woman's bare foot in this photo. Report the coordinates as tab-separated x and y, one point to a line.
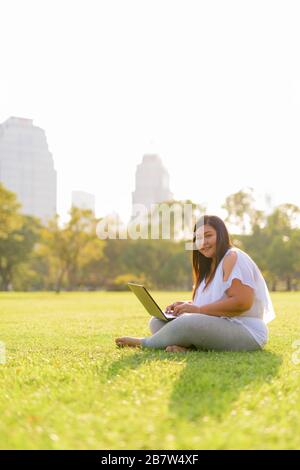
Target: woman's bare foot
128	341
175	348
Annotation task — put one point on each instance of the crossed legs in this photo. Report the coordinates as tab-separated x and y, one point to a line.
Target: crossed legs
195	331
155	324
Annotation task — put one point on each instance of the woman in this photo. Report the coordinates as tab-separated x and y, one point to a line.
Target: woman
230	305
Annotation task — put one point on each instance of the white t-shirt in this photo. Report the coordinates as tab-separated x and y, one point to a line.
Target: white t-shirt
261	311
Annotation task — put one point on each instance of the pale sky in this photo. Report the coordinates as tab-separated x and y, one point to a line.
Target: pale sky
213	87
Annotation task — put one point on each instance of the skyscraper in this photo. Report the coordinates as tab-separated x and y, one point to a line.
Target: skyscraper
151	182
83	200
27	168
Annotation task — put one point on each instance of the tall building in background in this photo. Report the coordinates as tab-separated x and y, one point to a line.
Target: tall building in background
151	182
27	168
83	200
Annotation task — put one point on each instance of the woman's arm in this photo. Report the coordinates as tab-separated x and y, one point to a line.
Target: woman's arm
230	307
240	298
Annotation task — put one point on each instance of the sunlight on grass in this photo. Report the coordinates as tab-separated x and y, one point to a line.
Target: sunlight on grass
65	385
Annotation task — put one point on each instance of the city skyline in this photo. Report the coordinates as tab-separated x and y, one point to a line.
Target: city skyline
27	167
152	183
217	99
151	176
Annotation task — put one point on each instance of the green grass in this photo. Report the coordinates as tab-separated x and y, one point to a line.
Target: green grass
66	385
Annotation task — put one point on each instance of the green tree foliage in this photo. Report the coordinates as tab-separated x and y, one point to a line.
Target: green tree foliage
280	253
69	249
18	235
240	209
274	245
71	256
10	217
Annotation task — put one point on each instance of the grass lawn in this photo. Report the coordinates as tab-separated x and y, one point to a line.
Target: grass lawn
65	384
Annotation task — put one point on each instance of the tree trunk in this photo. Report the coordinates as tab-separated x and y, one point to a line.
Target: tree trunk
72	279
288	283
5	280
59	282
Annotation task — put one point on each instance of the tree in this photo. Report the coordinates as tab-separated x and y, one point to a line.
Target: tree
280	250
240	209
16	249
10	216
69	248
295	248
275	246
18	234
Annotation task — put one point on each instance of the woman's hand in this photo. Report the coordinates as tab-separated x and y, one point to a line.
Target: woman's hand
185	307
171	307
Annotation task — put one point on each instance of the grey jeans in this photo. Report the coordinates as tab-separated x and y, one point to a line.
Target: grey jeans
201	332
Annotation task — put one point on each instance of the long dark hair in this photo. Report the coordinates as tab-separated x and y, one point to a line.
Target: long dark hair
202	264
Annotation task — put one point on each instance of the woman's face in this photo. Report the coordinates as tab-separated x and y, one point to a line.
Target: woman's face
206	240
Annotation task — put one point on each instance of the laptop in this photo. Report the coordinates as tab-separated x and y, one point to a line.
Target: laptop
149	303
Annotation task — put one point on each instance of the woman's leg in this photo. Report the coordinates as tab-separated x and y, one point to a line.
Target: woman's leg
155	324
204	332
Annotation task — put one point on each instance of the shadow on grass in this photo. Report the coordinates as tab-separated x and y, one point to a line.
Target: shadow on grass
211	382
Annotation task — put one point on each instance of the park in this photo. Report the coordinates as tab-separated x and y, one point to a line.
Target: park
149	231
65	384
